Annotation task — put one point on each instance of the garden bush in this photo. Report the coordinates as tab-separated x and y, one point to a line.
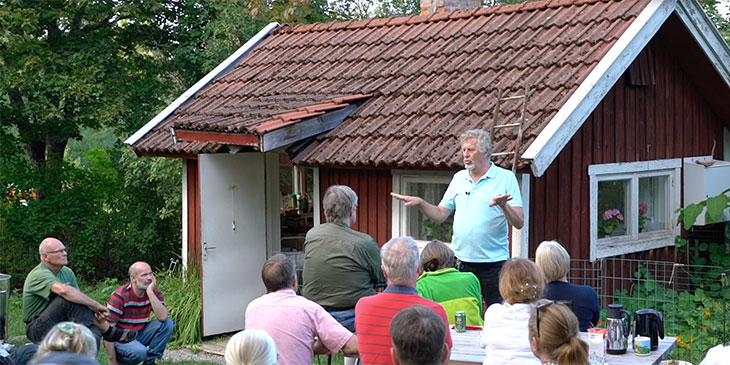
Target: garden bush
117	210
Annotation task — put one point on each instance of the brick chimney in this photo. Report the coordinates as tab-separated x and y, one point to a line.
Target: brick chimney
440	6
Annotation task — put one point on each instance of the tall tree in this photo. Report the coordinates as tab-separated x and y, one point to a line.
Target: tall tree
65	65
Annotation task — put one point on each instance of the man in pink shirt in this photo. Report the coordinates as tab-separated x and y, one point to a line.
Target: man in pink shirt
293	321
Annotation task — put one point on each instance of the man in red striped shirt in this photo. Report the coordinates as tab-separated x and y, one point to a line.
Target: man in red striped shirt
373	314
130	307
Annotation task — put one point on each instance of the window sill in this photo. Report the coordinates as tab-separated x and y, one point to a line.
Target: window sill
614	246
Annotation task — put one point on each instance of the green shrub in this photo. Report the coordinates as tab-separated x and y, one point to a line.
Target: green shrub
112	212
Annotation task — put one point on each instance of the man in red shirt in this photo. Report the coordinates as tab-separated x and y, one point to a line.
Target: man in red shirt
373	314
130	307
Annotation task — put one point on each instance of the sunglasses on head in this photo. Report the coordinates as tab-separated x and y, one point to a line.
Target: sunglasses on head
537	313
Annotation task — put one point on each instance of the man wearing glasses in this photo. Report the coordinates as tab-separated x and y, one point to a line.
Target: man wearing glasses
51	295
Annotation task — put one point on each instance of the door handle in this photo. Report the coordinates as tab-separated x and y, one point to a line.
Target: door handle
205	250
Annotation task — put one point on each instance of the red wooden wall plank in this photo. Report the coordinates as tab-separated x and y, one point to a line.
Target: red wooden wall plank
193	218
373	191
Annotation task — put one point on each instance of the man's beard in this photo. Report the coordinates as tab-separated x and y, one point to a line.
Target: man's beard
469	166
142	285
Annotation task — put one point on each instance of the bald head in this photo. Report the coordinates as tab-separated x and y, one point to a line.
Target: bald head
141	276
138	267
49	244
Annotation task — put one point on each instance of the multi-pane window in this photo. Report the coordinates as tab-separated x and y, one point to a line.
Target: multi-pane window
632	206
409	221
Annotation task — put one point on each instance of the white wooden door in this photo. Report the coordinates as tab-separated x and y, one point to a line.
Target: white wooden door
233	237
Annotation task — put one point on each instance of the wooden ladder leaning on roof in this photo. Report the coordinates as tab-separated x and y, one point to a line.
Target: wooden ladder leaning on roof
525	98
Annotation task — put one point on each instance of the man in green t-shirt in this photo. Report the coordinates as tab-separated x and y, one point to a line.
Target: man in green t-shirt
341	265
51	295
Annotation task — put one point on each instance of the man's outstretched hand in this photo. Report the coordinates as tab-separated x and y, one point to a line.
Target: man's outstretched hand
500	200
409	200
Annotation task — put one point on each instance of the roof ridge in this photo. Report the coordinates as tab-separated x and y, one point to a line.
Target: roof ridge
435	17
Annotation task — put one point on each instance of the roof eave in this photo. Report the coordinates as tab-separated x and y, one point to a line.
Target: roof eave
220	69
571	116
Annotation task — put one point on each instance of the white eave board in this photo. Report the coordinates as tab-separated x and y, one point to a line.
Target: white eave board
220	69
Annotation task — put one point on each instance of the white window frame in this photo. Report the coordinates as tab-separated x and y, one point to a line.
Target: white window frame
400	214
632	171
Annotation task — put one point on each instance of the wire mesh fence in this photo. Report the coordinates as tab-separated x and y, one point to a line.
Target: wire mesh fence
692	298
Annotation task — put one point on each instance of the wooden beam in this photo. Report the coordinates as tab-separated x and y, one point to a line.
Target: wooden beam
237	139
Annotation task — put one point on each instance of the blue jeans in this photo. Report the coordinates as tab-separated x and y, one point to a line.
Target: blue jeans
346	318
149	345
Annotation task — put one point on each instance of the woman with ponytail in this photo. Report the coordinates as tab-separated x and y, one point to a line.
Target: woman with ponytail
554	335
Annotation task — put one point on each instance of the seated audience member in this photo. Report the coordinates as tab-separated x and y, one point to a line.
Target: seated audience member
554	335
51	295
453	289
294	321
340	265
373	314
505	334
554	261
130	307
67	337
251	347
418	335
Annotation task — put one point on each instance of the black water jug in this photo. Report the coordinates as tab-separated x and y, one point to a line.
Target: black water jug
649	323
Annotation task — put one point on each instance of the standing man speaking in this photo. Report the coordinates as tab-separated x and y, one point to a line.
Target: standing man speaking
486	197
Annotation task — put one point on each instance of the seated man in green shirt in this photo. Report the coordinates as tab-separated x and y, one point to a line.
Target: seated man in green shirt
51	295
341	265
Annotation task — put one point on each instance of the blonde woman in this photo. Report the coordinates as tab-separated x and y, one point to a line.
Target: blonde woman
251	347
554	261
554	335
505	335
67	337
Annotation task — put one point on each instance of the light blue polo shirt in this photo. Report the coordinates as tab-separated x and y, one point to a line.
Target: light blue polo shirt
481	232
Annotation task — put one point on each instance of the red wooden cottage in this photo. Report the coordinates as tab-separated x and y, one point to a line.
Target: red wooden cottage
620	92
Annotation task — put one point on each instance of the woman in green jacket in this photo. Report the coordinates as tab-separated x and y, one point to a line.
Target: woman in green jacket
442	283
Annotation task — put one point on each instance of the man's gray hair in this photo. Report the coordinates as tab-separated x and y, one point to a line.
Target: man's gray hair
338	202
484	142
400	260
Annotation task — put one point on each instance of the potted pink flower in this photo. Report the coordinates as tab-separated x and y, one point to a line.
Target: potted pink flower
610	221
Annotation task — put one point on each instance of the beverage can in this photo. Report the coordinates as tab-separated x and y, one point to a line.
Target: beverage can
460	321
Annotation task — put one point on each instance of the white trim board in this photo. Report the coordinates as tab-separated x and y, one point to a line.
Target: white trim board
705	33
218	70
594	88
521	237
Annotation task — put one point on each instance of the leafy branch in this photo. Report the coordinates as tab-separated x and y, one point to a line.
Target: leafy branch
715	206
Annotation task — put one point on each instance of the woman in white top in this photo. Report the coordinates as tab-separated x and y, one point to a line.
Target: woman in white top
506	333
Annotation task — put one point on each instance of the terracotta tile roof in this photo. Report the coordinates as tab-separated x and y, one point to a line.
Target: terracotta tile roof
432	77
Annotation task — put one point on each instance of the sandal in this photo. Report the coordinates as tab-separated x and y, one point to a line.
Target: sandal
121	335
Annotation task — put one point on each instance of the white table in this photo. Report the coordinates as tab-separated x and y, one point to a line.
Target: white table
666	345
466	350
